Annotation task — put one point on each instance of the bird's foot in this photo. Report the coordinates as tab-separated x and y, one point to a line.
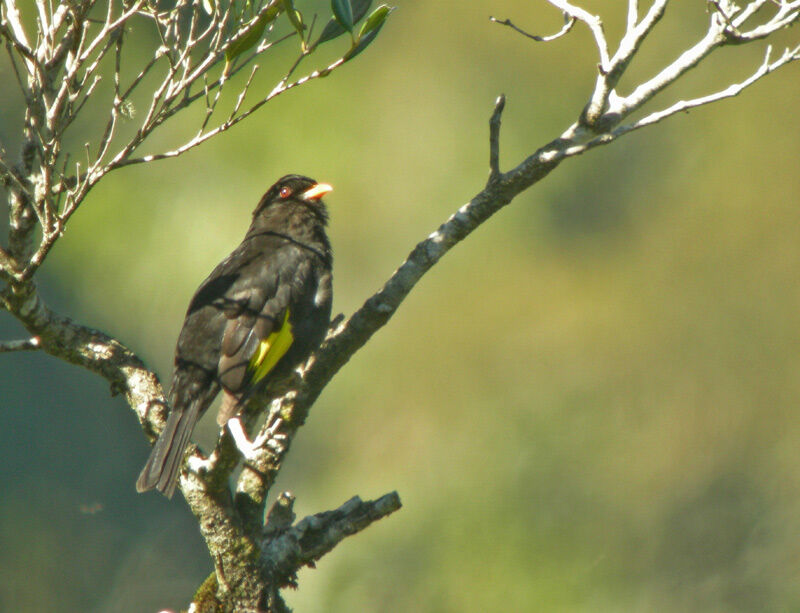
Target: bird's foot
250	449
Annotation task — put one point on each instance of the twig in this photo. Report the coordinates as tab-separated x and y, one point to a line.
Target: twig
12	174
30	344
289	549
787	14
7	264
595	25
633	14
751	9
731	29
23	87
243	93
732	90
635	35
494	139
122	159
569	21
17	36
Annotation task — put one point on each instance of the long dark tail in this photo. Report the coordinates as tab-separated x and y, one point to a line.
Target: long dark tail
166	458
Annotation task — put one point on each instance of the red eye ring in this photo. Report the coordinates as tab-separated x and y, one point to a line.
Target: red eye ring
285	192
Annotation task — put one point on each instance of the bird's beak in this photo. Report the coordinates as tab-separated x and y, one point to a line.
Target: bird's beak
316	192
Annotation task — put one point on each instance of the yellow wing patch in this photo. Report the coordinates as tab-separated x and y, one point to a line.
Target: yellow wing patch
271	350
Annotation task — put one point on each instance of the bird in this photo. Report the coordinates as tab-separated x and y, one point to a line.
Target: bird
259	315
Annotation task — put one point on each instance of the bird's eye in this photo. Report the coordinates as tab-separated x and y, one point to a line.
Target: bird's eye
285	192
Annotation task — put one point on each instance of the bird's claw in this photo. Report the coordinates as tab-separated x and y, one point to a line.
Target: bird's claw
250	449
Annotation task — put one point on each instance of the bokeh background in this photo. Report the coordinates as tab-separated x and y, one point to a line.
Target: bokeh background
590	405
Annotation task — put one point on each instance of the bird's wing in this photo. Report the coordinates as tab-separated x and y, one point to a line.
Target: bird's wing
258	332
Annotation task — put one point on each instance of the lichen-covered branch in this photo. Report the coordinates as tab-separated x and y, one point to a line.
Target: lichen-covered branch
82	346
28	344
287	548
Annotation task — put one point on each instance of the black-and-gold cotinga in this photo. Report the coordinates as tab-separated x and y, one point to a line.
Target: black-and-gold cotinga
257	316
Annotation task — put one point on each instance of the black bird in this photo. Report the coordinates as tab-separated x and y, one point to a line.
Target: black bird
257	316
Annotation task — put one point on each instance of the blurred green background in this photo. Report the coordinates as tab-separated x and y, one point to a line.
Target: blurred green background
590	405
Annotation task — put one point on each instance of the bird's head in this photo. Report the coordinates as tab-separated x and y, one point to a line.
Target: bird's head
294	190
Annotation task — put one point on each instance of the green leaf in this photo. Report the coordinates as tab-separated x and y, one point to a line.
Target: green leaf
375	21
294	16
208	5
343	13
253	35
369	31
333	29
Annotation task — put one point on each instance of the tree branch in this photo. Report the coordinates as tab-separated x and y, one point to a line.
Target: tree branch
766	67
63	338
287	549
594	24
7	265
494	139
569	21
29	344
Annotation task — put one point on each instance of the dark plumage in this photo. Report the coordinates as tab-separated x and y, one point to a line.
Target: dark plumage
257	316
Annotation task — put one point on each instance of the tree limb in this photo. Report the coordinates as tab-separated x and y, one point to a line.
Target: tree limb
494	139
28	344
287	549
569	22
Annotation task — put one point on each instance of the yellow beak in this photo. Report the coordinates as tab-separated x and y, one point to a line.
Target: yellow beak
316	191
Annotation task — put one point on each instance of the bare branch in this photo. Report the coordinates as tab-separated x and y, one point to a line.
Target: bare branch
603	83
751	9
287	549
635	35
595	25
718	34
44	26
766	67
8	267
16	36
633	14
786	15
122	159
30	344
687	60
494	139
21	82
76	344
11	174
568	23
242	94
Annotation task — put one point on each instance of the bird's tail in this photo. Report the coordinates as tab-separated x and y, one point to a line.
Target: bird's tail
166	457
